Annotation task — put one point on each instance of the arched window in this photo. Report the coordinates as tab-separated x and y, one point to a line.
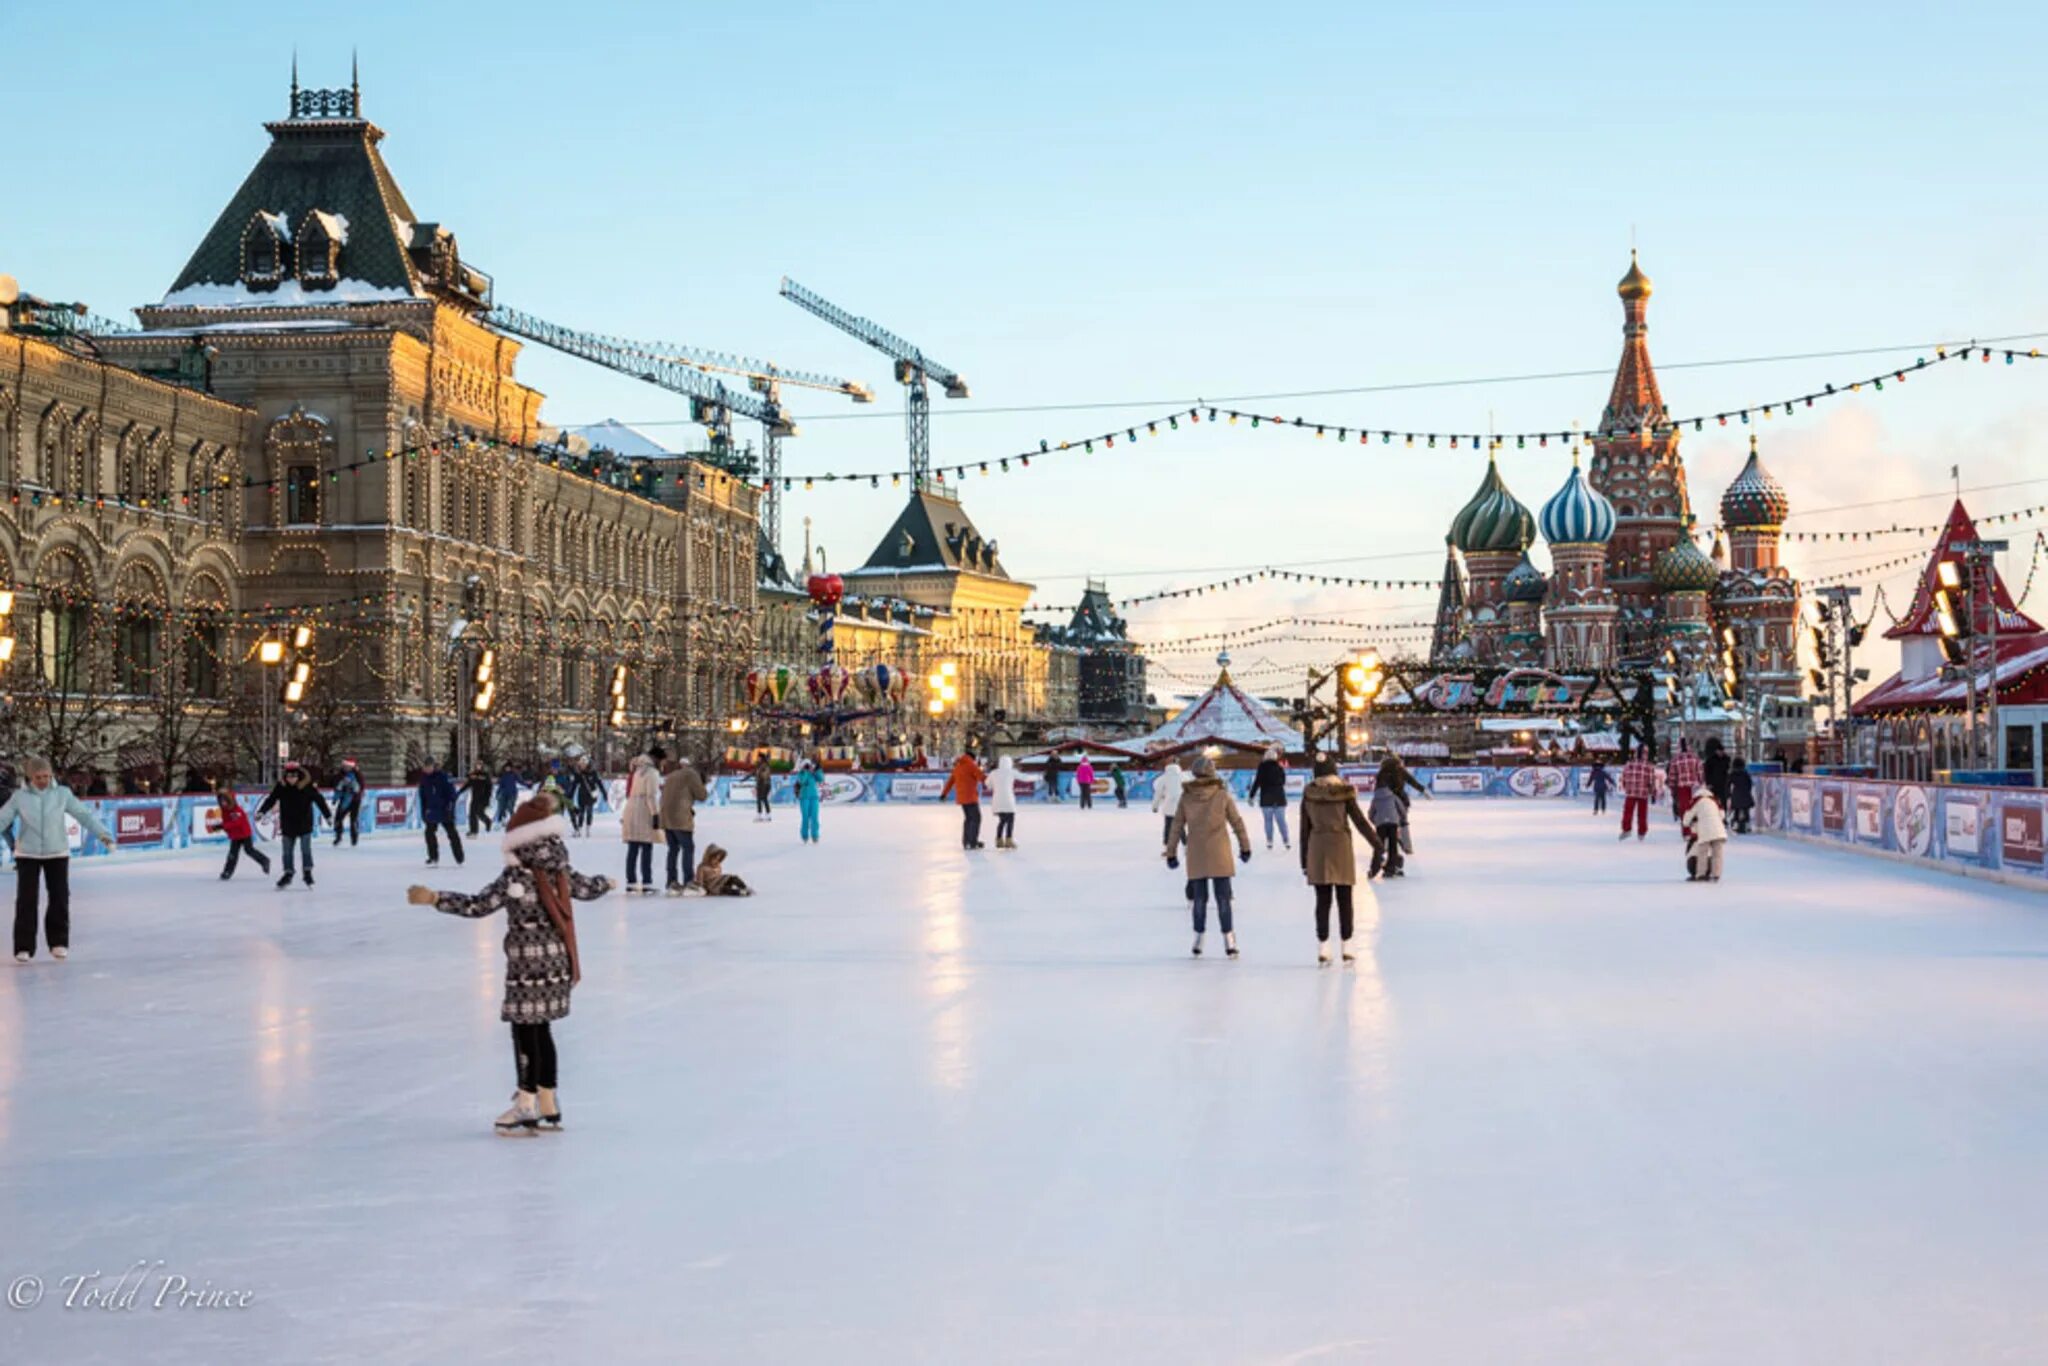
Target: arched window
206	642
301	450
266	250
321	236
65	596
139	604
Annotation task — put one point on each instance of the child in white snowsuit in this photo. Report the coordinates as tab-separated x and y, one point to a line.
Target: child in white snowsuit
1709	835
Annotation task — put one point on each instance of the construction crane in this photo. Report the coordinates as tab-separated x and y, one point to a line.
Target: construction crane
688	370
913	370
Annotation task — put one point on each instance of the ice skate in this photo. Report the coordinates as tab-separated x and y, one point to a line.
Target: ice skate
285	881
522	1120
1348	958
60	953
309	877
550	1112
675	889
1323	953
21	958
1230	944
1198	946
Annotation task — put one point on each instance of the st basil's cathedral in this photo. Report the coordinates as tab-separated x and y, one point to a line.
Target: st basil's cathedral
1629	586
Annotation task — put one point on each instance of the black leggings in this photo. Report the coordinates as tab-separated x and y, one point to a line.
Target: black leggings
533	1046
761	807
1006	824
55	874
1343	891
241	847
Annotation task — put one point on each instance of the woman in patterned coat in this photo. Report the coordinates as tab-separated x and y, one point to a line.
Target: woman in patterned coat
541	962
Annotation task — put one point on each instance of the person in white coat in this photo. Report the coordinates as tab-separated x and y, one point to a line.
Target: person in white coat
1709	834
1166	794
1002	786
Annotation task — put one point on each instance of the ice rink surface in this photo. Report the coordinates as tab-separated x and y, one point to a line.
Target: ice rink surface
909	1105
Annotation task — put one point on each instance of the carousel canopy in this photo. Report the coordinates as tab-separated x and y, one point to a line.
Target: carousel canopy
1224	713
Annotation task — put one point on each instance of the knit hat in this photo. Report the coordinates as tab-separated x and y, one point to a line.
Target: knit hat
1205	767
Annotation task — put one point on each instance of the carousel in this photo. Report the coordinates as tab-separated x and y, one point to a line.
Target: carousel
820	708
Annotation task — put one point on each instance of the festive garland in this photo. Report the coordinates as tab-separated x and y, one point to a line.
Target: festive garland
1343	431
1241	580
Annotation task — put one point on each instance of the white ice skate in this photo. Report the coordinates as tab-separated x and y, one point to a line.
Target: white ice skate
549	1110
1230	943
1323	953
1198	946
1348	959
60	953
523	1119
21	958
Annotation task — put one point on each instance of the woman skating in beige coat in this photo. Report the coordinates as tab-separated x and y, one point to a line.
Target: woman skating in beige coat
1329	811
1207	815
640	824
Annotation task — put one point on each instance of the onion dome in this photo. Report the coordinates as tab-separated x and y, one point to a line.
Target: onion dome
1755	499
1493	519
1684	568
1525	583
1635	284
1578	513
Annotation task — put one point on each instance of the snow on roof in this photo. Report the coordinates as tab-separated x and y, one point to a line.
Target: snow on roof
1222	713
2018	657
618	436
287	294
278	225
1920	618
336	225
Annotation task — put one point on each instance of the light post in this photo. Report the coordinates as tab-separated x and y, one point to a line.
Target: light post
944	683
620	675
1360	680
270	654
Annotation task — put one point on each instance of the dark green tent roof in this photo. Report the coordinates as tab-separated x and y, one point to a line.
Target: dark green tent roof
934	532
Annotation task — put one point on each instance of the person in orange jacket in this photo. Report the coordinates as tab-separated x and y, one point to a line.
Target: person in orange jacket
964	784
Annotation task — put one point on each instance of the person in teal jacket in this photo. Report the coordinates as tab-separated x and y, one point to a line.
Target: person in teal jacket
42	849
808	795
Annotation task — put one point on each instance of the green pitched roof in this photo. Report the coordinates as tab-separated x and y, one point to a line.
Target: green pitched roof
331	164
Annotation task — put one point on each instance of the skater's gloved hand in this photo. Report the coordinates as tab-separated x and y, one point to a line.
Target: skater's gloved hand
1244	856
1172	862
420	896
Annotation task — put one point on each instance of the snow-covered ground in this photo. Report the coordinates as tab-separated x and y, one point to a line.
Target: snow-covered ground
909	1105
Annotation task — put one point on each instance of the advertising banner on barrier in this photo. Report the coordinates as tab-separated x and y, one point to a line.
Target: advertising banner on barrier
1961	823
917	789
1832	814
392	809
1538	782
1912	820
2000	829
2020	841
138	825
204	822
1799	806
1461	782
1870	817
840	789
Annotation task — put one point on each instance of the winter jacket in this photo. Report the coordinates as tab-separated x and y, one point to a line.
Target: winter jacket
1639	777
1329	812
1702	820
1741	789
585	787
1602	779
714	880
1166	792
1387	806
538	970
437	798
1685	771
640	821
964	782
809	787
1715	769
1116	781
1208	816
681	790
348	790
1396	775
508	787
479	789
295	803
1269	784
1002	786
764	778
234	818
1084	776
42	813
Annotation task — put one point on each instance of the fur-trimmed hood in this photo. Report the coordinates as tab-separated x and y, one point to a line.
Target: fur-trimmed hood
533	832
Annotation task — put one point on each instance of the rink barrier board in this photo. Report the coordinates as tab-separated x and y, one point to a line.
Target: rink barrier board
1987	832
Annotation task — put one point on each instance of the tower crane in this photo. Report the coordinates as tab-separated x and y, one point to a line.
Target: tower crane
913	370
690	370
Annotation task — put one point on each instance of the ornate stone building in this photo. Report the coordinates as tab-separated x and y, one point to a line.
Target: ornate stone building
388	484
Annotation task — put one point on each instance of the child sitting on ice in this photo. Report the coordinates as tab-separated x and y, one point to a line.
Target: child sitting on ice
1707	836
713	880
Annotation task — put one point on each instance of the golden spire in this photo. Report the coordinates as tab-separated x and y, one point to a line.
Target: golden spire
1635	284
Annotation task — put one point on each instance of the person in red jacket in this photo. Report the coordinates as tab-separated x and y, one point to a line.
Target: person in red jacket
1639	780
235	824
1686	775
964	784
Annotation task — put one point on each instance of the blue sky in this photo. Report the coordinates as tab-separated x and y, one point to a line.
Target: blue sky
1103	203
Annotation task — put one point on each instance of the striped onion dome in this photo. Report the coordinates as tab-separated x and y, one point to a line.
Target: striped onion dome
1578	513
1493	519
1684	568
1755	499
1525	583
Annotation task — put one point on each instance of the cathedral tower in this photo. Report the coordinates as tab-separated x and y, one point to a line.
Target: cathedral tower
1578	522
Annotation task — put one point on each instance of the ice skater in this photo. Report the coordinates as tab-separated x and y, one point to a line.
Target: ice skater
1706	837
241	832
1269	790
1207	815
713	880
1002	789
1599	780
479	789
682	787
34	817
1084	783
1684	775
437	812
1120	785
542	964
586	785
809	796
1329	812
508	794
1741	797
764	784
1639	782
296	799
640	825
964	785
348	803
1166	794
